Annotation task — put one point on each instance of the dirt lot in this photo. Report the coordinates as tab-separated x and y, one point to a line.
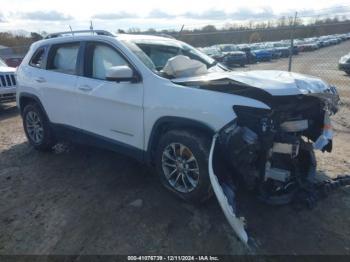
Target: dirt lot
82	200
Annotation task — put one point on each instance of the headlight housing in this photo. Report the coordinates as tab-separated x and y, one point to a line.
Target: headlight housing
257	119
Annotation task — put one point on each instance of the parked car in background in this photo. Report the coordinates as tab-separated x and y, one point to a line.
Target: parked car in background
265	51
251	57
304	46
213	52
7	82
286	43
283	50
260	53
274	51
344	64
233	56
13	61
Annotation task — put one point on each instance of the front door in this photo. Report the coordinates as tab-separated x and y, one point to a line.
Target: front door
110	109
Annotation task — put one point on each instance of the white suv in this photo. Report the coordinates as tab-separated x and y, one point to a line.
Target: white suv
7	83
204	128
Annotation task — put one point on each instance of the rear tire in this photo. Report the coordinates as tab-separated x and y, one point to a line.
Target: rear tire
37	128
182	164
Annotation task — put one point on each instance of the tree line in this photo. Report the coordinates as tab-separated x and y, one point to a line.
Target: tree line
209	35
258	31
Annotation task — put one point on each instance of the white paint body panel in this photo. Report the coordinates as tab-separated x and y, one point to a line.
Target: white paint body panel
119	114
60	95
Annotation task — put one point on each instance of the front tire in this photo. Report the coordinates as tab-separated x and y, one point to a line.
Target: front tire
37	128
182	164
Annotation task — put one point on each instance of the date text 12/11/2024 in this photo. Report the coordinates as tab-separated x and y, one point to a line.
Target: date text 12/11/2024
173	258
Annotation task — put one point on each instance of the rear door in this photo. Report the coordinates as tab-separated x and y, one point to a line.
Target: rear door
109	109
59	81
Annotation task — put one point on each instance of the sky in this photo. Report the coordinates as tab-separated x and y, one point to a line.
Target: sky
58	15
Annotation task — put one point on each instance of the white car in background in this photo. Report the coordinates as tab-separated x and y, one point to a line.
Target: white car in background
202	126
7	83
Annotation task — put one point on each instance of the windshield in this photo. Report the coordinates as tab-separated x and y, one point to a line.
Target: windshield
2	63
155	53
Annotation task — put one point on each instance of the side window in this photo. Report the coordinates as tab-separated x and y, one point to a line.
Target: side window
38	58
63	58
102	58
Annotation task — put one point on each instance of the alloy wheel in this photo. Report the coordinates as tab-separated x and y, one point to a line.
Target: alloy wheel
180	167
34	127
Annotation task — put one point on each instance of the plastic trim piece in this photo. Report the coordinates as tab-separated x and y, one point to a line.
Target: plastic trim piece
236	223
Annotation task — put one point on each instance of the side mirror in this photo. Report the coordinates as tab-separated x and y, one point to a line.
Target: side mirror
121	74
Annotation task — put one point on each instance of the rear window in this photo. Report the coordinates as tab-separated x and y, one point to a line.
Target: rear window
63	58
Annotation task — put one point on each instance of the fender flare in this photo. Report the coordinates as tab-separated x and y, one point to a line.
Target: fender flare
167	122
30	96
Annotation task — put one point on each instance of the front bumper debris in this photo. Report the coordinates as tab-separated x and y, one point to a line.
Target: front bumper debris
271	154
307	194
226	200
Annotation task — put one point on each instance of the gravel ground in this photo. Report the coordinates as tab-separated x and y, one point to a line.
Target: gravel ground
82	200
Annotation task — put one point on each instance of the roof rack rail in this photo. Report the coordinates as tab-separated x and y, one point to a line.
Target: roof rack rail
96	32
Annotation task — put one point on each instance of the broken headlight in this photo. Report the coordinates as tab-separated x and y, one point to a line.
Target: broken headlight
257	119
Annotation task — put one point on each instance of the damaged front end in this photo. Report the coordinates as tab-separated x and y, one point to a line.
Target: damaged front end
271	152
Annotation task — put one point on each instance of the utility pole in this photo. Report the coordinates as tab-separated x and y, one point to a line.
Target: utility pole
292	42
180	32
91	27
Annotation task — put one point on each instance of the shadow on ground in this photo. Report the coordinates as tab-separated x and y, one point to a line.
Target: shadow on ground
8	111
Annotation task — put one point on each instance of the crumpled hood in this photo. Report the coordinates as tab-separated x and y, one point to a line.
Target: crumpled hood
276	83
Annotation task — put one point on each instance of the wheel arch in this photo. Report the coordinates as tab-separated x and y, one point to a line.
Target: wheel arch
166	123
26	98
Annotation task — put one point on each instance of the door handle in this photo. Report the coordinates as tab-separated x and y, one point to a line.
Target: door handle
85	88
40	80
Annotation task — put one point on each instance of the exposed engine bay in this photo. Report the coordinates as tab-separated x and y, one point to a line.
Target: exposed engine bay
270	152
